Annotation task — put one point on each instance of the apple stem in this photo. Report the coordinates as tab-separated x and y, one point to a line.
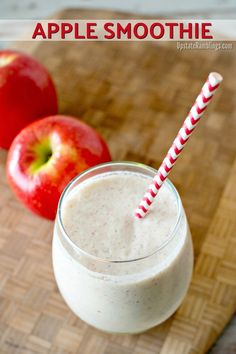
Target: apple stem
43	153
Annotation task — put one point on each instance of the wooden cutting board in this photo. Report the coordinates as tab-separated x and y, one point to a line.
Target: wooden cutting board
137	95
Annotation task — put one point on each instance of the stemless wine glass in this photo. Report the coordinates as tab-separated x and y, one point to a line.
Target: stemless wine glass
127	296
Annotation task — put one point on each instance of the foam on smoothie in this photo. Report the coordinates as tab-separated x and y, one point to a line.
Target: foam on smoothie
98	216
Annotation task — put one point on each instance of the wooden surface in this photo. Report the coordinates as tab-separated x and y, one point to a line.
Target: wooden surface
136	95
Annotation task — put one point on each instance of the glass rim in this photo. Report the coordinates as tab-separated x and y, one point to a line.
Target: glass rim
112	261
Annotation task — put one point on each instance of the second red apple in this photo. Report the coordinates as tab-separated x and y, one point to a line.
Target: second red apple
26	93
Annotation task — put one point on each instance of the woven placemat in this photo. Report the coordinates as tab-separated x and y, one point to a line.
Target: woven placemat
137	95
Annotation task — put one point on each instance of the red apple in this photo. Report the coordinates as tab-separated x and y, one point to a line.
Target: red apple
26	93
46	155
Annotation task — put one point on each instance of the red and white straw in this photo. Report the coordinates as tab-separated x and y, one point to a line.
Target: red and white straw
203	99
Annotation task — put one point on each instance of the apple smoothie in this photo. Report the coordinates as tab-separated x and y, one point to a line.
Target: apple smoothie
116	272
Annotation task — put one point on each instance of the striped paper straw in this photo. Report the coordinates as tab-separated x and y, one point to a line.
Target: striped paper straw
203	99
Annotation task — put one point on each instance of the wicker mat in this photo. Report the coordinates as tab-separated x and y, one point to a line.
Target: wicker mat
137	95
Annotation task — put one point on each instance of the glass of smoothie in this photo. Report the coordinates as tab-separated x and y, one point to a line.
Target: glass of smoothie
116	272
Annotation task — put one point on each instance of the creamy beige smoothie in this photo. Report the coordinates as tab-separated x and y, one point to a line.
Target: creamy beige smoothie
116	272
